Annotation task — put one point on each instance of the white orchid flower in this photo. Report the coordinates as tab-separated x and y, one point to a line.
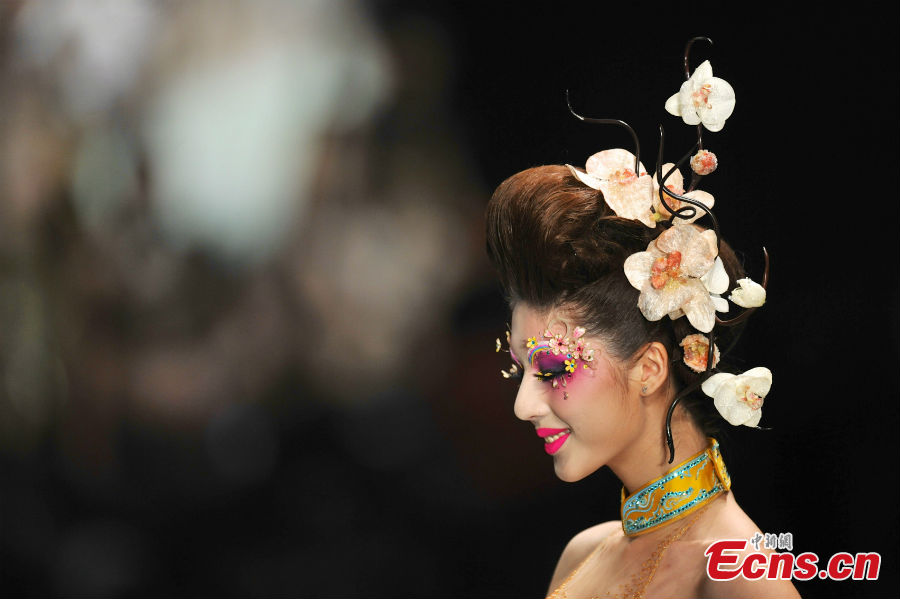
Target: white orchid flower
669	276
703	99
750	294
739	397
627	193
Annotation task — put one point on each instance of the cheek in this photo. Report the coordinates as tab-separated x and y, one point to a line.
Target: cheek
596	384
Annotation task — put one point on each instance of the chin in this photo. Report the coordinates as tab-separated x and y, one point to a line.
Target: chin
569	474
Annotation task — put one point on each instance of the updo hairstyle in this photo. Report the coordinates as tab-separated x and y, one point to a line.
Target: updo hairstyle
556	244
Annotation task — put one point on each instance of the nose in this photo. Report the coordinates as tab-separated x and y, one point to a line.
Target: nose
531	404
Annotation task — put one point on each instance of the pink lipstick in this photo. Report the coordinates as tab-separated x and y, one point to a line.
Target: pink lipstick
553	438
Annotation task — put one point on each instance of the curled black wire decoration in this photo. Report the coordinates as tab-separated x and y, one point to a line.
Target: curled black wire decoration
687	53
687	75
676	166
634	137
670	443
685	212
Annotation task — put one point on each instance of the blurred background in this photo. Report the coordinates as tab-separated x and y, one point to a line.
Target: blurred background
247	321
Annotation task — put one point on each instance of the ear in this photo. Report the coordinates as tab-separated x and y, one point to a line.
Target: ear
651	369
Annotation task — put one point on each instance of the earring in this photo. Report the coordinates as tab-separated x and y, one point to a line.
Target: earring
644	390
566	395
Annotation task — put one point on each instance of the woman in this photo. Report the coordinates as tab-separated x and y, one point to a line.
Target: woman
614	291
598	379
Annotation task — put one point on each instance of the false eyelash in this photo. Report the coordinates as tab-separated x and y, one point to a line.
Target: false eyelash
515	374
550	375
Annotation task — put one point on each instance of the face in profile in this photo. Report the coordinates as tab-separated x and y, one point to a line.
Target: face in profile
585	423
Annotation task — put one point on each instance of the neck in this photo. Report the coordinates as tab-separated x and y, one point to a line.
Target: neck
647	457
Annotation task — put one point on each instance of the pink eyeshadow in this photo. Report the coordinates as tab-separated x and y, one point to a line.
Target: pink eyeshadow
545	362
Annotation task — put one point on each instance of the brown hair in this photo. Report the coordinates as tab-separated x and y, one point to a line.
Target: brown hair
556	244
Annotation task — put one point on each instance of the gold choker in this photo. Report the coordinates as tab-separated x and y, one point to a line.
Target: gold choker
677	493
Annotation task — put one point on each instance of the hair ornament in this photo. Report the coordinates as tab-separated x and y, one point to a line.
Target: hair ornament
750	310
703	163
695	348
680	273
750	294
675	184
668	275
703	99
627	191
739	397
619	174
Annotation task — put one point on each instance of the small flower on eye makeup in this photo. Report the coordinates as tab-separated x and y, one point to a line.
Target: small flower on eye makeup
554	357
557	344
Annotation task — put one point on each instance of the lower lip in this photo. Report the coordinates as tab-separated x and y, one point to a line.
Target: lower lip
552	448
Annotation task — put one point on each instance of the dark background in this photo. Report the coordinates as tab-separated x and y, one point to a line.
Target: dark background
315	482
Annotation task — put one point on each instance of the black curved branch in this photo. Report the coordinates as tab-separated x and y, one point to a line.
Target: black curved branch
634	137
687	75
685	212
687	53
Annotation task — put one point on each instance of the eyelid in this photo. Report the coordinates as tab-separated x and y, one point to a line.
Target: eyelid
549	375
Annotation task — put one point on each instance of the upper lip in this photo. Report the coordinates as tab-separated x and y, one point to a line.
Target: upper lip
546	432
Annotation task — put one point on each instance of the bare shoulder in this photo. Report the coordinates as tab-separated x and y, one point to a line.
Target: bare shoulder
761	588
728	568
730	523
579	548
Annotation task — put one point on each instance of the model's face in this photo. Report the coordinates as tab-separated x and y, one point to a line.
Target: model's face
597	418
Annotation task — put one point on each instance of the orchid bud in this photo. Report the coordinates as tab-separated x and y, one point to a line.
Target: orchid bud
704	162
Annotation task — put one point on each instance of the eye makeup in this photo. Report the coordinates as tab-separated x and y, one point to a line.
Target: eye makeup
556	357
553	368
553	358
